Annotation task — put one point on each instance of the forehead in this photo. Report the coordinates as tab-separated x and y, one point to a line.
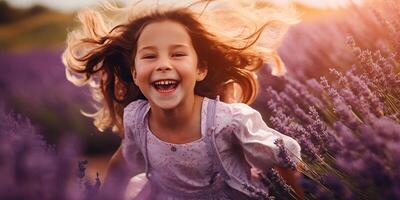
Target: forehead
158	33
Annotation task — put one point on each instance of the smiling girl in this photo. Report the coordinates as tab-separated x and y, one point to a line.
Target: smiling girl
158	73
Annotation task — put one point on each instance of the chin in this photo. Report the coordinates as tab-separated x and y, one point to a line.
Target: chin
167	104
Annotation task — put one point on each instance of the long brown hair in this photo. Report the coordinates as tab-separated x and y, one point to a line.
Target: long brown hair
105	60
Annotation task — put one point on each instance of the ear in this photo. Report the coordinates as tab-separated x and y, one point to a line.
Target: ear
201	73
133	73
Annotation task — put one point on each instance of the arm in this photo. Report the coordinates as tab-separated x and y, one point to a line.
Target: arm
257	140
127	161
232	94
116	172
121	169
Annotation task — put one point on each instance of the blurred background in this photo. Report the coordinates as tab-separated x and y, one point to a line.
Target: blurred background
33	83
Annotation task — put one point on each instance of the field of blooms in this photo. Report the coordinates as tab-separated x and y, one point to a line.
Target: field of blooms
340	101
33	83
315	45
32	169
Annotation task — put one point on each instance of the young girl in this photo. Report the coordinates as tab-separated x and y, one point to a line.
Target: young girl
158	72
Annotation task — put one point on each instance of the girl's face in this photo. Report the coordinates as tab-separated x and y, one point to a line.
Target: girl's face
166	65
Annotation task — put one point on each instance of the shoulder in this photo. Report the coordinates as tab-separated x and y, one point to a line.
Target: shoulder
133	108
234	114
235	110
135	105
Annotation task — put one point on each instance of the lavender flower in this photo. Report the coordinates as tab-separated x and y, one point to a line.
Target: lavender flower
81	168
307	97
334	183
350	135
358	104
32	169
341	109
284	155
277	180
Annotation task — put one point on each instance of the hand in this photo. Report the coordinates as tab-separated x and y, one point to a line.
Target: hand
255	174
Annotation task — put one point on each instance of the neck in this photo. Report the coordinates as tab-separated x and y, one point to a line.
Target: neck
177	118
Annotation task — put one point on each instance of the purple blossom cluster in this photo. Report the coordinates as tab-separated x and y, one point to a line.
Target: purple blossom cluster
30	168
349	131
33	83
348	121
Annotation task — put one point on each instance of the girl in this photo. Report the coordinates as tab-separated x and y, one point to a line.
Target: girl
158	75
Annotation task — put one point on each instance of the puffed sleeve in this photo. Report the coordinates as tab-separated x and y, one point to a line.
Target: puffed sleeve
130	150
257	139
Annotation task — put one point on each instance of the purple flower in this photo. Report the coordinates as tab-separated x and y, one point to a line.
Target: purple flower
343	111
277	180
81	168
359	104
334	183
284	155
274	97
32	169
360	87
302	115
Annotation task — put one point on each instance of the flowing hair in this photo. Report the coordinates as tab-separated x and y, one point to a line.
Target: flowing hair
232	40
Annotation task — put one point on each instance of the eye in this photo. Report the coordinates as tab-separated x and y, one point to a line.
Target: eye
149	56
179	54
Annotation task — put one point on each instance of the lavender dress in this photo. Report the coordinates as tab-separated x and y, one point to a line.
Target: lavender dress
185	171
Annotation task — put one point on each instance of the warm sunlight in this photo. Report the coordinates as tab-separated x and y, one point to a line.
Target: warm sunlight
321	3
66	5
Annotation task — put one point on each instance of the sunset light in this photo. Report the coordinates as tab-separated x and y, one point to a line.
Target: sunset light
67	5
322	3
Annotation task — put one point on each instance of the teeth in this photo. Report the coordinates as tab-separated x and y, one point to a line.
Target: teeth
169	82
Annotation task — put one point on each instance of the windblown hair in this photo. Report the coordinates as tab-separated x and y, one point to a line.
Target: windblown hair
102	54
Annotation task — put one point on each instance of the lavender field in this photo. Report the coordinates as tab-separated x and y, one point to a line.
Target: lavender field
340	101
33	83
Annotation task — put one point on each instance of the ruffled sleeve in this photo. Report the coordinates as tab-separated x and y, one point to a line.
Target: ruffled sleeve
130	150
257	139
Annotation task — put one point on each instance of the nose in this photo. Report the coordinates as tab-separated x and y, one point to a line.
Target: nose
163	65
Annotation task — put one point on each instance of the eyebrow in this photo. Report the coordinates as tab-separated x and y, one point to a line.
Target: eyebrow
174	46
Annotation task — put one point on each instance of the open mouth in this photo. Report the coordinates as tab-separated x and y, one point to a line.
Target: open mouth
165	86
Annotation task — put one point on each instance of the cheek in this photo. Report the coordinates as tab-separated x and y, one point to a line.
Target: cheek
139	64
141	67
140	76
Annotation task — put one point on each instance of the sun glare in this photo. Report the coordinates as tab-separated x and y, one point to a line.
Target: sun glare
321	3
330	3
